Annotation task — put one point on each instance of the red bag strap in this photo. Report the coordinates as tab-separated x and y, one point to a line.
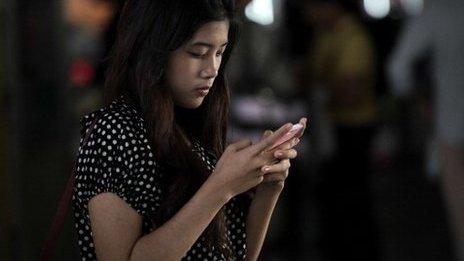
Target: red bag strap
57	225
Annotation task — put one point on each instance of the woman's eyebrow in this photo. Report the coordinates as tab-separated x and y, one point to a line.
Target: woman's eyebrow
207	44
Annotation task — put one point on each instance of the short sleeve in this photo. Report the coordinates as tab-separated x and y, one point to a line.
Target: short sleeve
120	161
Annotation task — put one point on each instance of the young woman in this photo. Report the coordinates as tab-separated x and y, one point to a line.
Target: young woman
155	179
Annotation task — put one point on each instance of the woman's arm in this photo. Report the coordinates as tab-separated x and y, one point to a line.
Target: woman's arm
267	193
116	227
259	217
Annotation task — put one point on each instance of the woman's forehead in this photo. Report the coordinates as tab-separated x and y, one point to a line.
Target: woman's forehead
212	33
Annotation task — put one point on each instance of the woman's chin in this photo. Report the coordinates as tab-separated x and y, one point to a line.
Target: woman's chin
192	104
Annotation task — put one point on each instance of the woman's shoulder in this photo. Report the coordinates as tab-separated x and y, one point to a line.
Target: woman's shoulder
117	158
119	117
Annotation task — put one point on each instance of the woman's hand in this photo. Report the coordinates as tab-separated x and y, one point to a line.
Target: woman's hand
239	168
275	174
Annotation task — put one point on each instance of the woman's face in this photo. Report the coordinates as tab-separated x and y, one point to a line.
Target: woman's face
196	64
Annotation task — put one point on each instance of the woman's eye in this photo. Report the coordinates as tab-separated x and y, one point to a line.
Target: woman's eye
199	55
196	54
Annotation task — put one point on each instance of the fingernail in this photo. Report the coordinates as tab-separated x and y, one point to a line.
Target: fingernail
265	169
278	154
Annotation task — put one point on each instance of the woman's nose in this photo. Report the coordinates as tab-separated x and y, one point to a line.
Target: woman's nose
211	69
209	73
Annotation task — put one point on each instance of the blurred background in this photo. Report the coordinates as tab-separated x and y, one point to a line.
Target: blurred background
380	169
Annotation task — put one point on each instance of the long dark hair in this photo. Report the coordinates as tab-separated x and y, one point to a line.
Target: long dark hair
148	32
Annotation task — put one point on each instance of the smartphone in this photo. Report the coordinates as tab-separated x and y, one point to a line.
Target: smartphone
294	131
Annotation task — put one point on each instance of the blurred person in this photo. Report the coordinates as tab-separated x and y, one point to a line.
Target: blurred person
91	21
437	33
155	180
92	15
341	64
90	36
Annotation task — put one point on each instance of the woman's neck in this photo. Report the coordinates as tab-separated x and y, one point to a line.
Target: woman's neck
189	120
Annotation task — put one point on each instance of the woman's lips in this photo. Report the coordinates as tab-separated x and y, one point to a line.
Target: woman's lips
203	91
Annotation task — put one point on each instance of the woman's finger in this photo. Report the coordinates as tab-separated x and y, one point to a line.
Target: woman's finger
239	145
270	140
267	133
304	122
293	142
282	166
286	154
288	144
275	176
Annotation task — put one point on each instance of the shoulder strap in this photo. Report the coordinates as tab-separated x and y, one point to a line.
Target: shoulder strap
50	242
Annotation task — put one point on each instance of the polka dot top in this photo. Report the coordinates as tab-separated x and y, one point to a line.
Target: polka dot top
117	158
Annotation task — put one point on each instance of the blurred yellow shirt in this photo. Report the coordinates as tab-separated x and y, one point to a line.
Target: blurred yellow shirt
340	54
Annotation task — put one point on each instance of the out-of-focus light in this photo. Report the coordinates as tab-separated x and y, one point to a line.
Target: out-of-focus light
413	7
260	11
377	8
